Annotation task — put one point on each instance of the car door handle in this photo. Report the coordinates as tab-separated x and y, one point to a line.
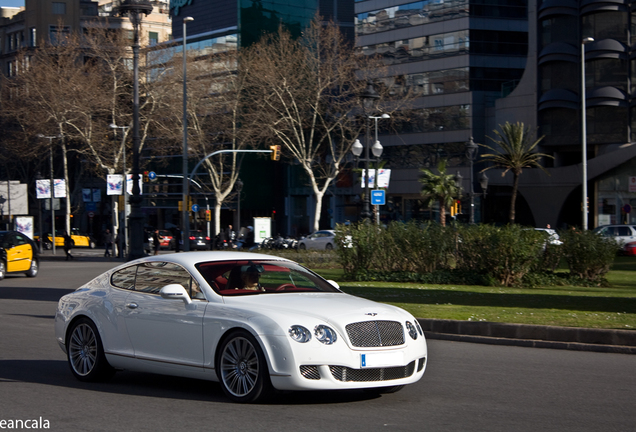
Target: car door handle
132	305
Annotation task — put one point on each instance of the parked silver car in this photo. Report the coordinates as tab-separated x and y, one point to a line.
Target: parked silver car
621	233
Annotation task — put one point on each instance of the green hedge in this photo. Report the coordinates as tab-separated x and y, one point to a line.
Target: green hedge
468	254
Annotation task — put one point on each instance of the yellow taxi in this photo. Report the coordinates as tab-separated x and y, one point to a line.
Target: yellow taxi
18	254
78	239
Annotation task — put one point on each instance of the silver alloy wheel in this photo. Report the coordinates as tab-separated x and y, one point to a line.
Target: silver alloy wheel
33	270
82	349
239	366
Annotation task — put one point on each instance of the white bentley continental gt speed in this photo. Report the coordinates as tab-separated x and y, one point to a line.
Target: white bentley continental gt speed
249	321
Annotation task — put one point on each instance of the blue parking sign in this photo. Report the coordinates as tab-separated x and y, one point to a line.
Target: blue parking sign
378	197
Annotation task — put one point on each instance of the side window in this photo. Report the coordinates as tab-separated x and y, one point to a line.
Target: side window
624	231
124	278
20	239
151	277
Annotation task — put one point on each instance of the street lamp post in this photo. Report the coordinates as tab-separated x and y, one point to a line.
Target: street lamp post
185	219
135	9
584	132
377	148
52	187
471	154
123	236
369	96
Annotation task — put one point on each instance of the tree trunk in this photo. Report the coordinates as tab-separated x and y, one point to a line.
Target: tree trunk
318	210
442	213
513	197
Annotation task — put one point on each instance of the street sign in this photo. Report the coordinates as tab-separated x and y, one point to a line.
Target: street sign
378	197
195	207
152	176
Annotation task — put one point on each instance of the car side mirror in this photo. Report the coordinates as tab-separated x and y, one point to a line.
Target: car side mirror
175	292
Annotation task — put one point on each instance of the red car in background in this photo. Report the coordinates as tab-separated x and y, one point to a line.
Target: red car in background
164	238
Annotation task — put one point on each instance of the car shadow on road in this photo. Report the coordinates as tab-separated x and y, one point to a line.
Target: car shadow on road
57	373
37	294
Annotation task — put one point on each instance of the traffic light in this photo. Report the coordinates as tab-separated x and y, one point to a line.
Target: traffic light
275	152
180	205
208	215
145	176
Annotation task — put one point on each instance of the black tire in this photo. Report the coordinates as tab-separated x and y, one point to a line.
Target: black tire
3	270
302	246
328	246
85	352
48	245
242	368
91	244
34	269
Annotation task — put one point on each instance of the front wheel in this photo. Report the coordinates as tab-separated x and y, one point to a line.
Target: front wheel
302	246
91	244
328	246
86	353
33	270
242	368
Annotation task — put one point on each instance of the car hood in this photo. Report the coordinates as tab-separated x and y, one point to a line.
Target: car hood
335	308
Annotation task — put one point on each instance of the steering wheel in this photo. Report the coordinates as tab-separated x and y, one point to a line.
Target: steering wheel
284	286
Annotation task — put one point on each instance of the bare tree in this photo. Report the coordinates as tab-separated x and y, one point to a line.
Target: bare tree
307	96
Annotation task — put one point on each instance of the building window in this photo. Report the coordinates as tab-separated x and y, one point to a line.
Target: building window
153	38
59	8
32	36
59	34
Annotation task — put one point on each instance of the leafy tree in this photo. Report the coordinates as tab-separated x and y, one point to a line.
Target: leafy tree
514	151
440	188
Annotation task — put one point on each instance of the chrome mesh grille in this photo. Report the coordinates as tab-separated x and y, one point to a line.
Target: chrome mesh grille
310	372
375	333
345	374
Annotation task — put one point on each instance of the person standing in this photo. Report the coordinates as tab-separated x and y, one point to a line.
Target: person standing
68	245
108	242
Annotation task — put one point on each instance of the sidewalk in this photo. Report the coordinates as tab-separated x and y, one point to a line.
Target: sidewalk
537	336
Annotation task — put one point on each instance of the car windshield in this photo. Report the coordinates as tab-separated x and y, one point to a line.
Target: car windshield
243	277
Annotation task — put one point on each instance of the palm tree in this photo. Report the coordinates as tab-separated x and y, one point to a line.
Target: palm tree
441	188
514	151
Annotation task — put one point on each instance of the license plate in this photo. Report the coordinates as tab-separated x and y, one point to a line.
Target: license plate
374	360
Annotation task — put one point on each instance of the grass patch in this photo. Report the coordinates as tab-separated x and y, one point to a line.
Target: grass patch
612	307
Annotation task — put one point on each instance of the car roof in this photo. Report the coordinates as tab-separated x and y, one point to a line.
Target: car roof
192	258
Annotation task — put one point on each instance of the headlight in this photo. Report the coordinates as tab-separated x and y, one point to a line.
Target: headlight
419	329
412	331
325	334
299	334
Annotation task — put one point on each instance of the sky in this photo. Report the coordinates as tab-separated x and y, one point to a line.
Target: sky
12	3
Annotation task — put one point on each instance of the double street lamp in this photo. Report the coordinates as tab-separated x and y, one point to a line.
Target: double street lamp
369	96
135	9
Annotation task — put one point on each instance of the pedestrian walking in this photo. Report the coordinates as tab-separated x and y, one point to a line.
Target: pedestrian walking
156	241
68	245
108	242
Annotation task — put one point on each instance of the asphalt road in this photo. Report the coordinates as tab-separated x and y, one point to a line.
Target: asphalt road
467	387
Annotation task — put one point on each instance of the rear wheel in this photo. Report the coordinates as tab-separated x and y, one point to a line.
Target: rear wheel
3	270
328	246
302	246
33	270
242	368
86	353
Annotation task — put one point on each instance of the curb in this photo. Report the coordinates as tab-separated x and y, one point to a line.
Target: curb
570	338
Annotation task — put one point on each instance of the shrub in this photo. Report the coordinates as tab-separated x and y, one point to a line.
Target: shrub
588	254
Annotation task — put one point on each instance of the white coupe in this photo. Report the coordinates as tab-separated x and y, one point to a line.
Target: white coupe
252	322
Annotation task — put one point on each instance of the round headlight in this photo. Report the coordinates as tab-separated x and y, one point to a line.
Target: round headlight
325	334
299	334
412	331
